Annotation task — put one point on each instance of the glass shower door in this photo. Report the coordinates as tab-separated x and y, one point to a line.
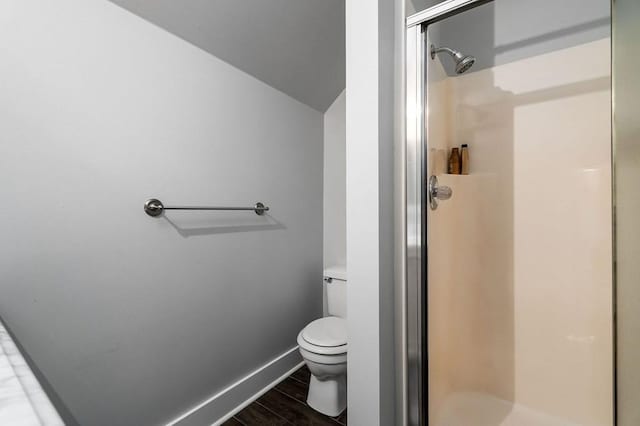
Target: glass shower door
517	282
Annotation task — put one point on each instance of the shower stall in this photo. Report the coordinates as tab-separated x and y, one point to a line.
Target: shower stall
510	268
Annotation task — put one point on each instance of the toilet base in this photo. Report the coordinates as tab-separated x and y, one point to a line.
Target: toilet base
328	396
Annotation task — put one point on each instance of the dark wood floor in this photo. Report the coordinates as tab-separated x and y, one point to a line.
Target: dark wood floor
285	405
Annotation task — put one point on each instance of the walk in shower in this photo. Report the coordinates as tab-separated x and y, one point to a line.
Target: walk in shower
510	295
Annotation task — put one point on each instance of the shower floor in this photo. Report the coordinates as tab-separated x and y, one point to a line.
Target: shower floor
479	409
285	404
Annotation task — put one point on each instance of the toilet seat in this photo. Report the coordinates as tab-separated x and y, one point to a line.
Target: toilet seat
325	336
328	331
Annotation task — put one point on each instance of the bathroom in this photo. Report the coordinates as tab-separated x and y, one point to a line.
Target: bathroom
220	213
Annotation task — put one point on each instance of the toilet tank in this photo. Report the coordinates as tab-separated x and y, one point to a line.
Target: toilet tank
336	279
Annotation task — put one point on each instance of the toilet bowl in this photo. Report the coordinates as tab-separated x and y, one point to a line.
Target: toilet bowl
323	345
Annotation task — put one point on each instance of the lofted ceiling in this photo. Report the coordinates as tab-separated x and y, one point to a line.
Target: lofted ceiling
296	46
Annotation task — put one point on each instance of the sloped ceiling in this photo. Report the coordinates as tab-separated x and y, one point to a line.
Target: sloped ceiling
296	46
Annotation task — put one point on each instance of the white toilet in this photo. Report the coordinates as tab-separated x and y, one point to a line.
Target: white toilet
323	345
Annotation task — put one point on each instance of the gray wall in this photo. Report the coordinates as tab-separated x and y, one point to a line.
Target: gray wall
133	319
335	184
507	30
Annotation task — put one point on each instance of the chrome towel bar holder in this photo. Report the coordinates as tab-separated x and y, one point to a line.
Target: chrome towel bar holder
154	207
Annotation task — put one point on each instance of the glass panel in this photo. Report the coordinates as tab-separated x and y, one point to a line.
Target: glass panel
626	63
520	257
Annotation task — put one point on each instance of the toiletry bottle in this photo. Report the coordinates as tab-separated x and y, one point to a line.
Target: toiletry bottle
464	159
454	162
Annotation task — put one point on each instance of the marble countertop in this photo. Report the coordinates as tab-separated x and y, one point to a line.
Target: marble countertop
23	402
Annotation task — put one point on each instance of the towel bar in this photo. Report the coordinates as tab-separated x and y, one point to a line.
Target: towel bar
154	207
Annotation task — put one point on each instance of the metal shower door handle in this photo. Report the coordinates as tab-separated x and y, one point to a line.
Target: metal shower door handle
437	192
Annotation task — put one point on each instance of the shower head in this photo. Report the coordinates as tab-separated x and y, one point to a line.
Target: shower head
463	62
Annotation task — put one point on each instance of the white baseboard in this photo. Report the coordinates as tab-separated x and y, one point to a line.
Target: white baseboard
258	394
226	403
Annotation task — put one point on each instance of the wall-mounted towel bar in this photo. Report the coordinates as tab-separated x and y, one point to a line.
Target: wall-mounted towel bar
154	207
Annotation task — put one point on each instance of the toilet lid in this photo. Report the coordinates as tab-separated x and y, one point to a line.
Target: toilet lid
327	332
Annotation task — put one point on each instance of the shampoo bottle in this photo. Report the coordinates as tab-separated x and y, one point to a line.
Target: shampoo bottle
464	159
454	162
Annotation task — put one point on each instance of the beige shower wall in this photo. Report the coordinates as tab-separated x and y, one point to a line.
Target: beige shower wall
520	287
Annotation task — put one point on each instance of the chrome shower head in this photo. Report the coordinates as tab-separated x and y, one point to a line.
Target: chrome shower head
463	62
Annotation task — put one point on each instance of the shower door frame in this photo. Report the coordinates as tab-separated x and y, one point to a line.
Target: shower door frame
416	207
416	248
